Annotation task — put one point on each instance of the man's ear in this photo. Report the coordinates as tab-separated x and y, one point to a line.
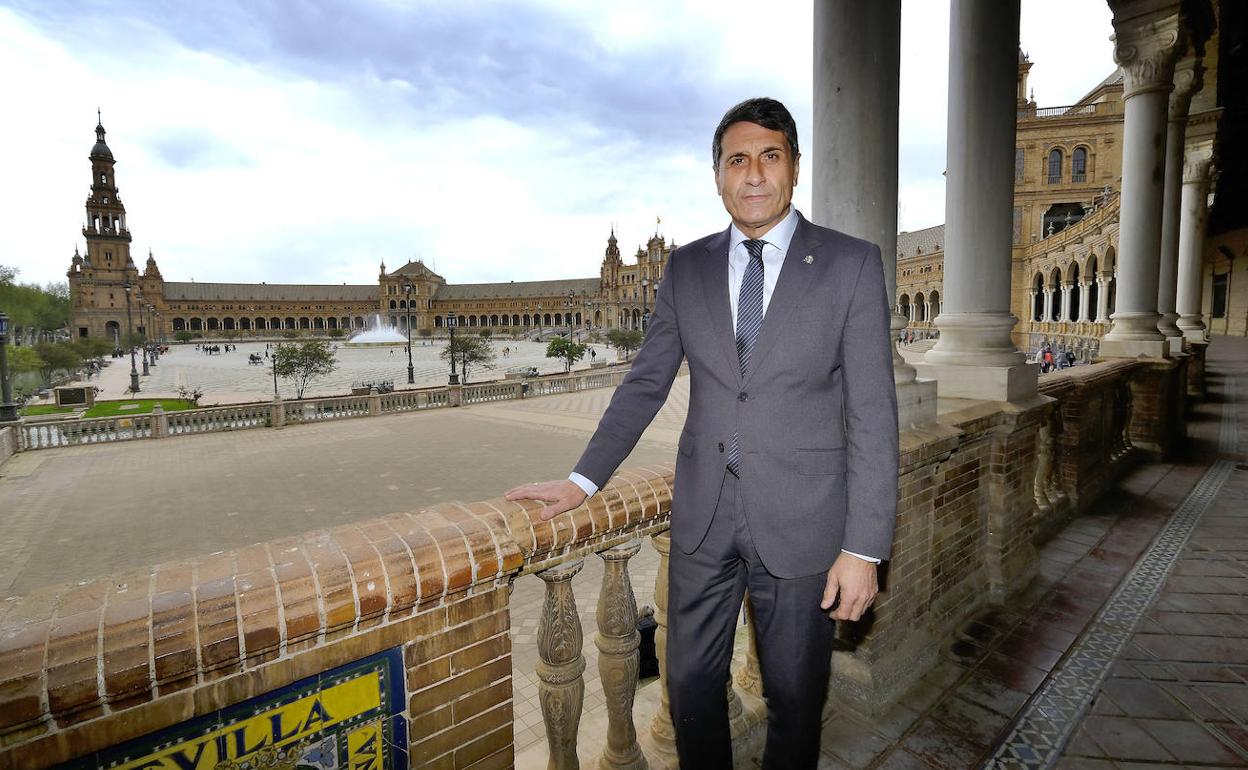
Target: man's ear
715	170
797	167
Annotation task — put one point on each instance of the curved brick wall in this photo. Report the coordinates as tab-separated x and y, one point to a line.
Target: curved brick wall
87	666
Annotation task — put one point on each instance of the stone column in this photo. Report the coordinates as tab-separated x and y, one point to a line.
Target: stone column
1102	298
857	62
1198	162
1187	81
1085	289
1031	304
1066	314
975	356
1145	45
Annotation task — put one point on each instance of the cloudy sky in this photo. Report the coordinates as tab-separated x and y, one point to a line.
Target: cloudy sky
309	140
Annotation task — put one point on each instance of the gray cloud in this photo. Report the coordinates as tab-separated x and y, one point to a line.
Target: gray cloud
511	59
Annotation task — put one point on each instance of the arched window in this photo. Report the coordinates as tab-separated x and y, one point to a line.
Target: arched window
1079	165
1055	166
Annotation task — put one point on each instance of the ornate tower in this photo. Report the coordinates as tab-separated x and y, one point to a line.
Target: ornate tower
97	279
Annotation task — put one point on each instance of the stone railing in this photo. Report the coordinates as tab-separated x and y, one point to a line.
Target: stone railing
1084	444
160	424
48	435
1106	211
219	418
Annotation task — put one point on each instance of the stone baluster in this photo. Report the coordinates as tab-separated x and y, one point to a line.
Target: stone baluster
618	658
662	733
561	665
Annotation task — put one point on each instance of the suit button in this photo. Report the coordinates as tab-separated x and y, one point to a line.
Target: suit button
721	447
743	396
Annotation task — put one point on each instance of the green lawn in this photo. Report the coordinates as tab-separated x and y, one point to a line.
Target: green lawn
134	406
46	409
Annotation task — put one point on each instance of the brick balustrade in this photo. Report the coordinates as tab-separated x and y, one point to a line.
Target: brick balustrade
89	666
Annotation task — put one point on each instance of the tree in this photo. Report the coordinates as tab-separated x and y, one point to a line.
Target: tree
335	332
626	340
469	351
57	356
35	313
183	336
425	333
92	347
485	334
566	349
302	362
24	359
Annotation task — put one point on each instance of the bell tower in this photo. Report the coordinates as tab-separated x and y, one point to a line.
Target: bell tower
97	279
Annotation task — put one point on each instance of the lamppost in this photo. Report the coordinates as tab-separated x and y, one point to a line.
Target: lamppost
8	410
568	304
451	323
411	373
134	372
143	326
539	323
645	289
274	359
149	340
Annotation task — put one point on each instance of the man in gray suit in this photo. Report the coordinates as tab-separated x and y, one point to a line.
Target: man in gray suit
786	477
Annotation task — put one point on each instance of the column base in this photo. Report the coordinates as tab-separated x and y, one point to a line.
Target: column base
1193	328
984	383
1174	344
916	403
1120	348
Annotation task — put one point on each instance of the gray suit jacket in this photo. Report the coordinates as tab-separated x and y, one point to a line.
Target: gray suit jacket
816	413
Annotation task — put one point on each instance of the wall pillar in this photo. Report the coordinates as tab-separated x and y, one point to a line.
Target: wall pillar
1198	162
857	63
1146	43
1187	81
1085	293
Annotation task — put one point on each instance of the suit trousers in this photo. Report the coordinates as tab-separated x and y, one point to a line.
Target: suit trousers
705	591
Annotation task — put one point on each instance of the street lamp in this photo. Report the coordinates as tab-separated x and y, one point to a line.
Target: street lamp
274	359
143	326
134	372
451	323
539	323
8	410
645	289
411	373
568	304
148	339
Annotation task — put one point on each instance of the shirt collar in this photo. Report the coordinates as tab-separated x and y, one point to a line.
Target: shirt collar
779	236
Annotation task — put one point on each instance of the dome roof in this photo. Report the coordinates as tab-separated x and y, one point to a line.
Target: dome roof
100	150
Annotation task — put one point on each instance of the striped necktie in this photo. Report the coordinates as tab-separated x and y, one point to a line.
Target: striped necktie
749	321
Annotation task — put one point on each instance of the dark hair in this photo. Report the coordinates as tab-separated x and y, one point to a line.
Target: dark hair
762	110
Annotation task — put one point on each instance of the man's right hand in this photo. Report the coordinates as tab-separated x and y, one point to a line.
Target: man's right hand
560	496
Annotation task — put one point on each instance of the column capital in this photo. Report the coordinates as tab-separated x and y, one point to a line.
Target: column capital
1145	46
1198	161
1188	79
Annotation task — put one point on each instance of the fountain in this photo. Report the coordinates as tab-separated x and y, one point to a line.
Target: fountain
377	334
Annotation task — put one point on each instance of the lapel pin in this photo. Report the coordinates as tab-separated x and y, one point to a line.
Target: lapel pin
808	259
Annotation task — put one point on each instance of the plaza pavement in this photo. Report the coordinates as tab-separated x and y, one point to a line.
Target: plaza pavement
1173	694
227	378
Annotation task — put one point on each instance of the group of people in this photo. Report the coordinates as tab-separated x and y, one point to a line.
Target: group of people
1051	361
212	350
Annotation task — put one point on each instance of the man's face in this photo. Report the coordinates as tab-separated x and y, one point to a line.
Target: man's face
755	177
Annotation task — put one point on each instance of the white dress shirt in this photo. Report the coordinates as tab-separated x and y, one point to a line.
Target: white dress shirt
775	247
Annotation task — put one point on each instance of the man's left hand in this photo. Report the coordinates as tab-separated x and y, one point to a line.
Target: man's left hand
851	587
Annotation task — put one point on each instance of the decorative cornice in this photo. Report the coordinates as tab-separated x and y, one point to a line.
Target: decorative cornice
1198	161
1146	47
